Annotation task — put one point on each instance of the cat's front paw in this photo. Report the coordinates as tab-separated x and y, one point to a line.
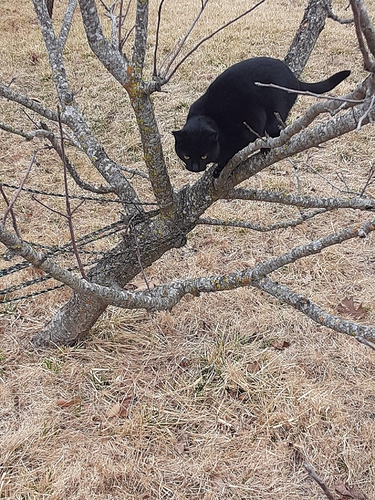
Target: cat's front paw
217	172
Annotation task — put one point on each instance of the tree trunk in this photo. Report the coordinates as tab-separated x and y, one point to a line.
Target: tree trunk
75	319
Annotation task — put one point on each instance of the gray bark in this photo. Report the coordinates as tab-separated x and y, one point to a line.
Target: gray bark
307	34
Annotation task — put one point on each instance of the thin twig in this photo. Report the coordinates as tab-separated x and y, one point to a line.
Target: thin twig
252	130
263	229
338	19
183	41
122	18
370	179
135	236
166	79
112	16
67	201
157	37
365	114
26	135
120	24
307	92
11	204
366	342
48	207
14	221
311	472
72	171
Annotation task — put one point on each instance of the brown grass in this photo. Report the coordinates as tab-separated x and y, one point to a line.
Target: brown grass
226	395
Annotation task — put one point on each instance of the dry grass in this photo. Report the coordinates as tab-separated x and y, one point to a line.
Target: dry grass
225	396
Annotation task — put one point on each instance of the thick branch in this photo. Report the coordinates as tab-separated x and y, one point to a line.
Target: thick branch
67	23
307	34
140	42
331	106
298	200
152	149
306	139
313	311
111	58
28	103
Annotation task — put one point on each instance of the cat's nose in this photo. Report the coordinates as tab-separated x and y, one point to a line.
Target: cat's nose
195	167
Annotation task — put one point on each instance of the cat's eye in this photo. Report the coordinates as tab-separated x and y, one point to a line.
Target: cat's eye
186	157
204	157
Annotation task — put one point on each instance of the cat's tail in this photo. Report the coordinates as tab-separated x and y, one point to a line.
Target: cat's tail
325	85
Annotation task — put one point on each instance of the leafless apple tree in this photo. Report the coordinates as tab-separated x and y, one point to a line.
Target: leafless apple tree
179	211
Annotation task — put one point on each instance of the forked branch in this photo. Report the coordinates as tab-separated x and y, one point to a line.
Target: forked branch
365	31
165	77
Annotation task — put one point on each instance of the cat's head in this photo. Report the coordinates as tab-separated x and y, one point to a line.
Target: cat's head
197	143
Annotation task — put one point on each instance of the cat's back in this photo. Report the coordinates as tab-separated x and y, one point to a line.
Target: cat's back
235	86
243	75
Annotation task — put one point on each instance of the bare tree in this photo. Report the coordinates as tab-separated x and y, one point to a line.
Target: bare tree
179	211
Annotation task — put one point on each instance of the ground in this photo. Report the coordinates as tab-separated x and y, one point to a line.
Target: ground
227	395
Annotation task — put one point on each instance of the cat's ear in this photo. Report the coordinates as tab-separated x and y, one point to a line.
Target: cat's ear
178	134
213	135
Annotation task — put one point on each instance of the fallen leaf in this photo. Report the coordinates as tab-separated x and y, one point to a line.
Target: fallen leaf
248	263
347	306
114	410
64	403
182	444
280	344
119	409
350	491
34	58
253	367
140	285
219	484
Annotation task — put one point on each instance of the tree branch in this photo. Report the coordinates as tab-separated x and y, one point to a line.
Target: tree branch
66	23
311	472
111	58
365	26
305	139
69	212
360	18
259	227
70	115
296	131
26	135
140	42
356	203
307	34
314	312
14	220
28	103
179	44
72	171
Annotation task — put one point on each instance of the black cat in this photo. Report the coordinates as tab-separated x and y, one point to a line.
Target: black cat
214	130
